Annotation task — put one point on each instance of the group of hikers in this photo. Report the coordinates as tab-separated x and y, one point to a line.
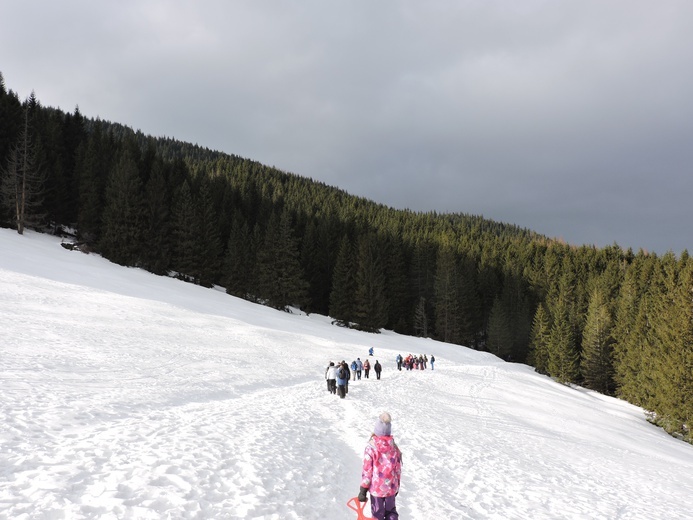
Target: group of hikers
412	362
338	375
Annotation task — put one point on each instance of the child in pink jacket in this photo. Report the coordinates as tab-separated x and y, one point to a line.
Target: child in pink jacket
382	467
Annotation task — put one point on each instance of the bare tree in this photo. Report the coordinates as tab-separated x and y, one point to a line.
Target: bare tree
21	189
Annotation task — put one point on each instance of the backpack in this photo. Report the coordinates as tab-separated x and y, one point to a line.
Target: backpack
342	373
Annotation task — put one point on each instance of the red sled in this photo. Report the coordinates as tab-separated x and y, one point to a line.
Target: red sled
357	506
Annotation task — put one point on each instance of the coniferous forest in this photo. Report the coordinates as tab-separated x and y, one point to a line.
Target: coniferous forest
614	321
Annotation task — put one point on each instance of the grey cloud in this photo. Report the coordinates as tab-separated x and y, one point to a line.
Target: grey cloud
570	118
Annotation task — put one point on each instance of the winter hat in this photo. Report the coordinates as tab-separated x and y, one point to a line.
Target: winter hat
383	426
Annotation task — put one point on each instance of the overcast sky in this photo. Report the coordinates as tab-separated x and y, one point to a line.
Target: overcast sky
571	118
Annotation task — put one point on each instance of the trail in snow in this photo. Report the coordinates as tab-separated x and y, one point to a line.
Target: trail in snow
126	395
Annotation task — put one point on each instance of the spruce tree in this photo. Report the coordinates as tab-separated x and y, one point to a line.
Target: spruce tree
280	277
157	230
239	261
123	216
540	340
22	182
370	301
209	248
421	319
500	339
597	344
447	297
184	232
93	164
343	285
563	356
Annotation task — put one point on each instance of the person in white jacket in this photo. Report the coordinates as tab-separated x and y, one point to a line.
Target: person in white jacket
331	376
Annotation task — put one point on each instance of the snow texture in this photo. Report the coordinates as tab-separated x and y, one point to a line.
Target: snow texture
128	395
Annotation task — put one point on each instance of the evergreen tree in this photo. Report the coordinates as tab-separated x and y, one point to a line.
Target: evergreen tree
238	266
184	232
370	302
421	319
397	286
563	357
597	344
672	332
157	230
123	216
540	340
318	256
22	182
343	285
447	297
209	250
631	333
94	161
470	318
280	276
500	339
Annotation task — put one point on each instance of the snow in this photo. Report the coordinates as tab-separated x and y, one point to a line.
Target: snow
129	395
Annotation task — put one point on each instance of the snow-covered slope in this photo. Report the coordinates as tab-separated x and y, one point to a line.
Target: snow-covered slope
127	395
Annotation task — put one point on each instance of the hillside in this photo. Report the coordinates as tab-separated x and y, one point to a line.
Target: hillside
130	395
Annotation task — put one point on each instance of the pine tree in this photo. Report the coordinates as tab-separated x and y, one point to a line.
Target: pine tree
631	333
280	276
470	318
184	232
123	216
343	285
447	297
22	182
563	357
157	230
238	265
500	339
597	344
209	248
540	340
397	286
421	319
94	161
672	331
370	302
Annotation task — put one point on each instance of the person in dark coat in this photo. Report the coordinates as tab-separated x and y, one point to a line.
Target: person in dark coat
342	379
348	374
378	368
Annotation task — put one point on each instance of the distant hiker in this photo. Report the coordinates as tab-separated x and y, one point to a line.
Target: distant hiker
382	470
359	367
399	362
433	360
370	351
348	376
377	369
330	376
366	368
425	360
354	368
342	374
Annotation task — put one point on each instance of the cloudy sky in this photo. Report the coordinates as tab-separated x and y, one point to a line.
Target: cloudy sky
571	118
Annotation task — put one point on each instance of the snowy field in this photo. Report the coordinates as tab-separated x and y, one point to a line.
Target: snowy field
128	395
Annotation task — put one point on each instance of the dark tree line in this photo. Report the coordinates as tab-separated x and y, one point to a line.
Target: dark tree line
614	321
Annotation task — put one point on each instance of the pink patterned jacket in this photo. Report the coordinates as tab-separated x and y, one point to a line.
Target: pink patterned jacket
382	467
